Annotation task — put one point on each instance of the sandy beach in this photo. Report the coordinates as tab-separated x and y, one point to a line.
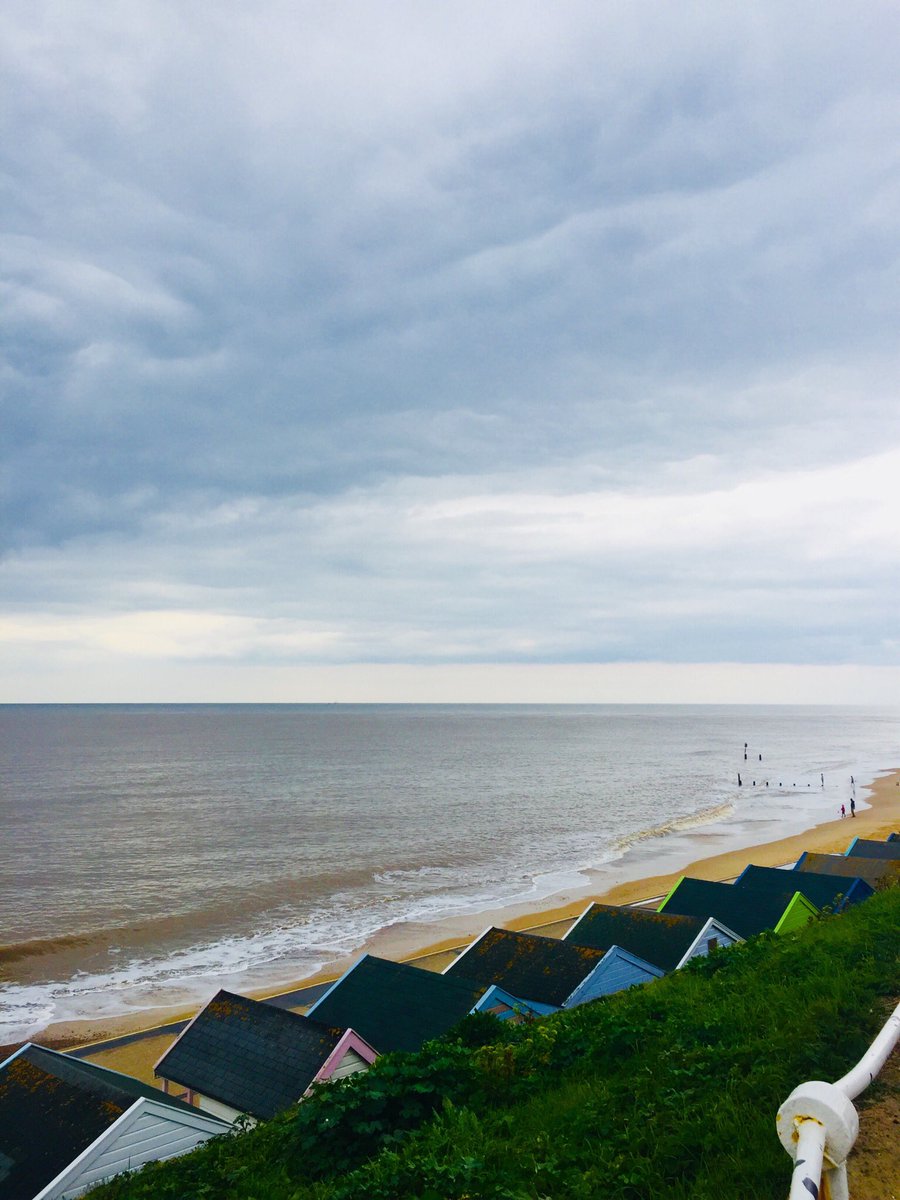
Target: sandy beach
434	945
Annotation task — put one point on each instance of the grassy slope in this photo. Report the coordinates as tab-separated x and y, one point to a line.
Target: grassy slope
668	1090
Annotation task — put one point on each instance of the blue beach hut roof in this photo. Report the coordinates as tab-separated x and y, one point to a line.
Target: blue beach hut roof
825	891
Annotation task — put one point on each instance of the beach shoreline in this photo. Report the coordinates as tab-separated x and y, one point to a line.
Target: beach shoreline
433	945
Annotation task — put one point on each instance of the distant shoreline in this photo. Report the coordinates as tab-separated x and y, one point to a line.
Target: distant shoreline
415	942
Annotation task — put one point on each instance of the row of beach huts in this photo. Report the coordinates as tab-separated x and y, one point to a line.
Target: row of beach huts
67	1123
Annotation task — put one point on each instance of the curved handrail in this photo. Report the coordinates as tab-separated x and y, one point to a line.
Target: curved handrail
818	1124
859	1077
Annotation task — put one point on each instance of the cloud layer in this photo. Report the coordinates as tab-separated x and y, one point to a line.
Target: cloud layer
443	333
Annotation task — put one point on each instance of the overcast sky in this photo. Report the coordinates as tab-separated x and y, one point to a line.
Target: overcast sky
349	348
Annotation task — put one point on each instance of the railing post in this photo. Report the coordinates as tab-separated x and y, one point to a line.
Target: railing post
817	1125
835	1182
810	1151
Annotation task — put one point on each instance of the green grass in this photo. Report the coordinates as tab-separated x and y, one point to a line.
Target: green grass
667	1090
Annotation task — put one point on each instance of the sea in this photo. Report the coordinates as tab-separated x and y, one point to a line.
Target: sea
152	853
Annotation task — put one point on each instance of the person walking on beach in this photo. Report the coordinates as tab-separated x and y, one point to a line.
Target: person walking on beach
843	812
852	807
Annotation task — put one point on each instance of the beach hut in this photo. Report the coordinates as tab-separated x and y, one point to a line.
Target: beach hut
548	970
66	1125
506	1007
395	1006
825	891
240	1056
664	939
746	910
866	848
873	870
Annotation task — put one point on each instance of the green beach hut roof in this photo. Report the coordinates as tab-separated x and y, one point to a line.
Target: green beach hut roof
746	910
395	1006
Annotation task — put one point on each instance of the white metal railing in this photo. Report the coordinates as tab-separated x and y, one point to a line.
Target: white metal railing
818	1124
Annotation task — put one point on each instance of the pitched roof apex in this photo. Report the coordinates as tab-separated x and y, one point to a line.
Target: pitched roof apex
672	889
470	946
15	1054
340	979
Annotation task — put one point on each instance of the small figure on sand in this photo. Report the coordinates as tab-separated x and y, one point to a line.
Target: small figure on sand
740	781
852	807
843	812
760	758
822	777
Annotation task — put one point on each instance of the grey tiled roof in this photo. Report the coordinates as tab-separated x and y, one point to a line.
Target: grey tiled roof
395	1006
866	848
662	939
873	870
527	965
249	1055
52	1107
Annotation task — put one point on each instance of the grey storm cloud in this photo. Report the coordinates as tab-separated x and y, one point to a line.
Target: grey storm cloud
280	285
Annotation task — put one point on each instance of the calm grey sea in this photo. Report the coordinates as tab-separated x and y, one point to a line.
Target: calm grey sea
147	848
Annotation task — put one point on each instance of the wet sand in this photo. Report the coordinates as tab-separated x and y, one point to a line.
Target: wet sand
433	946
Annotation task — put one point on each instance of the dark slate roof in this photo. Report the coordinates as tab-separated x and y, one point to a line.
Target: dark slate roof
822	890
52	1107
527	965
745	910
395	1006
249	1055
662	939
873	870
864	848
